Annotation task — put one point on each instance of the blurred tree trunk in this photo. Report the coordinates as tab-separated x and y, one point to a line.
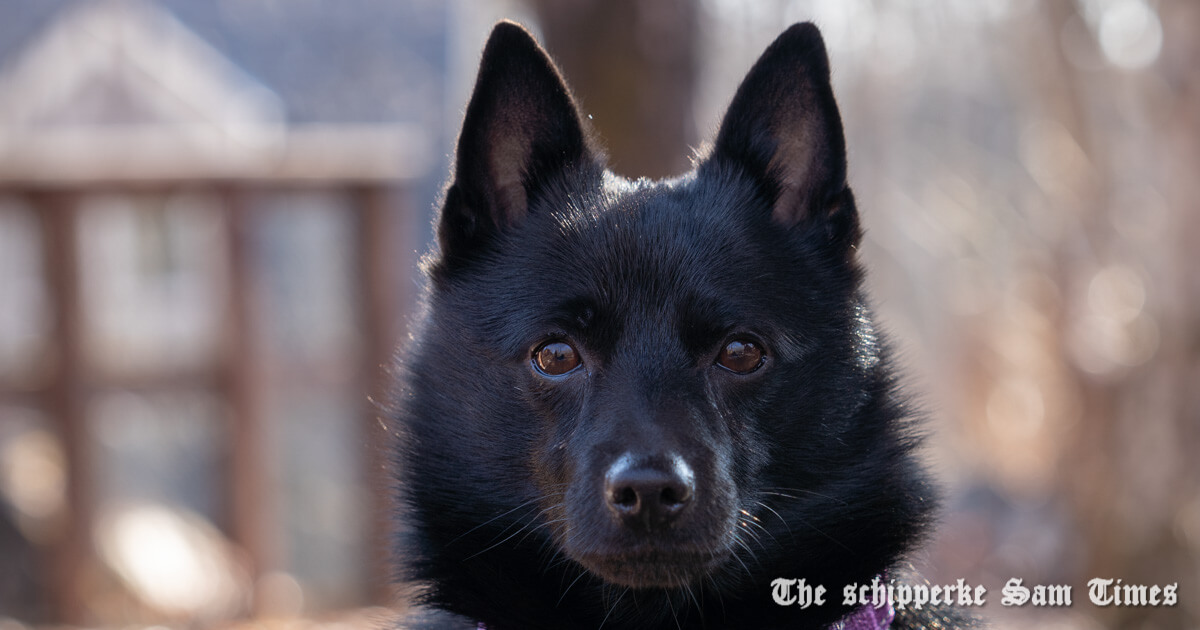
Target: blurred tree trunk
1133	497
633	67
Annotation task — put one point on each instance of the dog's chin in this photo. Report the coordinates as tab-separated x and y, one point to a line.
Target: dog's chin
654	568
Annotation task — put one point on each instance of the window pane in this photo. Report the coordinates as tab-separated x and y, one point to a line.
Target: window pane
153	280
159	448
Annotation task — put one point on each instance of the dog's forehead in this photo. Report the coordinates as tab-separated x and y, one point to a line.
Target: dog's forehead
659	235
653	256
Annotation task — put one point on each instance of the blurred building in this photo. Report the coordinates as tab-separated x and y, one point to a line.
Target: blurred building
209	216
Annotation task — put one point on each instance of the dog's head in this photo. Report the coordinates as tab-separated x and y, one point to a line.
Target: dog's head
668	383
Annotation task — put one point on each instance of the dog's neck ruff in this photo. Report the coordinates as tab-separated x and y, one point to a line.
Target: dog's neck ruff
867	617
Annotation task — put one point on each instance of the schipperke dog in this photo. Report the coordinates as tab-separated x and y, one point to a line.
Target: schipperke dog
636	404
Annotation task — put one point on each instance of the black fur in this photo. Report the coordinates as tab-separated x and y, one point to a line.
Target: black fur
512	480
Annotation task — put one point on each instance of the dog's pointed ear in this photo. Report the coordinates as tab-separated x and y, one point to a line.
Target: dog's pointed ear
521	127
784	131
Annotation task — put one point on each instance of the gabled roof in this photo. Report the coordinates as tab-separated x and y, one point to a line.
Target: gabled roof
127	62
121	90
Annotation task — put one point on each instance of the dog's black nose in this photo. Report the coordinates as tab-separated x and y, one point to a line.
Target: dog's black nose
649	494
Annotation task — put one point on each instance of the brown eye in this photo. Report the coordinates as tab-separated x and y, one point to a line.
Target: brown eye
555	358
740	356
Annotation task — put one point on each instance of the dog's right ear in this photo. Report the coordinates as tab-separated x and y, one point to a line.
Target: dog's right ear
521	128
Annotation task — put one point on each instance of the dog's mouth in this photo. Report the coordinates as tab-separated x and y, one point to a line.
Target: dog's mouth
653	568
654	522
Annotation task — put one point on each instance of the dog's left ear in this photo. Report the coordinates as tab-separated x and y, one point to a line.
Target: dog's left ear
784	131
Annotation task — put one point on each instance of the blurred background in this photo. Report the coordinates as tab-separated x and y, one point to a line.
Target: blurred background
211	213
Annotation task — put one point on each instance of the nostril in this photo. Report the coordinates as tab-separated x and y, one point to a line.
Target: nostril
625	498
675	496
649	493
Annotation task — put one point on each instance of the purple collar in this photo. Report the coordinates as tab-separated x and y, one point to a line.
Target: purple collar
868	617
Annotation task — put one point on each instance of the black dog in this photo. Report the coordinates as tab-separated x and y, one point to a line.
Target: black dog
637	404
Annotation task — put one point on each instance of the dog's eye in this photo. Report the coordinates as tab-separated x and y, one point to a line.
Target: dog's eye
555	358
740	356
